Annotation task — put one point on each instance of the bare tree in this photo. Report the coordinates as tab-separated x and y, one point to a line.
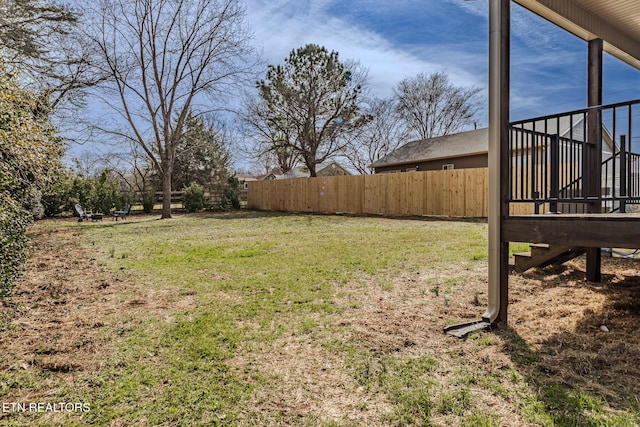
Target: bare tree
383	133
26	25
134	169
266	140
67	73
40	40
163	57
432	106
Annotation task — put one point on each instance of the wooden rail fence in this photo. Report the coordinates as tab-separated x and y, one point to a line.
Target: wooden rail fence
451	193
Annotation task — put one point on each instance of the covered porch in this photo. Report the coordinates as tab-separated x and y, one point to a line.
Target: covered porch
575	171
571	171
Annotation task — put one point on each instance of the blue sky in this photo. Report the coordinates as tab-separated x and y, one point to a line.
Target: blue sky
402	38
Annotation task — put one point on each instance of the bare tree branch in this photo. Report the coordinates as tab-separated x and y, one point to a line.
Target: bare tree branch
161	57
431	106
383	133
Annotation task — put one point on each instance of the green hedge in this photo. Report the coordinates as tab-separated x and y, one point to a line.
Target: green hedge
14	243
30	153
193	197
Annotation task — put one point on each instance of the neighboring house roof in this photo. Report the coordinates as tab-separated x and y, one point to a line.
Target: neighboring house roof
326	168
273	174
475	142
246	177
297	172
456	145
266	177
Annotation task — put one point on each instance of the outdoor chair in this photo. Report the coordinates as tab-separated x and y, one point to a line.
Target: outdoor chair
123	213
84	215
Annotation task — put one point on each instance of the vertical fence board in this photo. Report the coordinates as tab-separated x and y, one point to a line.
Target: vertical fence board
416	194
477	194
375	194
369	187
435	201
456	193
393	193
425	194
336	198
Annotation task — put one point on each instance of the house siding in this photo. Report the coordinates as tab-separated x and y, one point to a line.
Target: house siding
466	162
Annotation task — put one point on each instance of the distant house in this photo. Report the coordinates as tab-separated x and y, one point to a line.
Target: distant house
458	151
569	129
268	176
245	178
272	174
468	149
327	168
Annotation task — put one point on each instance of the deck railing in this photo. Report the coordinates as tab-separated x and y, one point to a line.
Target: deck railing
552	165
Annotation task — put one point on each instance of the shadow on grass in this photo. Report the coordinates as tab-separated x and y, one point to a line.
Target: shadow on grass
239	214
253	214
246	214
577	372
121	223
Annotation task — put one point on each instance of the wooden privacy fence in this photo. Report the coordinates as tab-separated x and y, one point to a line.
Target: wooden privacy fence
452	193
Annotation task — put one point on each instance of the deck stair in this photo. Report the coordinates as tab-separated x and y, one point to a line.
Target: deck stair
542	255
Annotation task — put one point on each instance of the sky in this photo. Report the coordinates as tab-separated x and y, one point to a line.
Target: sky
399	39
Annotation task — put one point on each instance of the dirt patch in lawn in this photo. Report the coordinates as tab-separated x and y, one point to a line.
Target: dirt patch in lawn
563	331
68	311
55	319
314	384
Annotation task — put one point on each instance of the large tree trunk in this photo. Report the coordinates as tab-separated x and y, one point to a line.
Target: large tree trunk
166	195
310	162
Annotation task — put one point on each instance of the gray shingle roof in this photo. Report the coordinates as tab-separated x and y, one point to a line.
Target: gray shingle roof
476	142
303	172
456	145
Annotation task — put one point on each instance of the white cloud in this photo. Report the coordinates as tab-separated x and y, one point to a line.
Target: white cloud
283	25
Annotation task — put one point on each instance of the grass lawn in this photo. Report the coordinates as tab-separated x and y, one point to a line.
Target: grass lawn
275	319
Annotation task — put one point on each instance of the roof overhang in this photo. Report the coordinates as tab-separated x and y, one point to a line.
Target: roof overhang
430	159
616	22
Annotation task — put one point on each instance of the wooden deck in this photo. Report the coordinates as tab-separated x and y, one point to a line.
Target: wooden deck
585	230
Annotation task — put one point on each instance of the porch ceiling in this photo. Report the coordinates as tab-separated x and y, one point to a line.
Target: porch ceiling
617	22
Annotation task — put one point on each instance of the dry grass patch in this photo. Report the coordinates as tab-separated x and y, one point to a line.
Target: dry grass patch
65	318
314	387
401	323
584	334
272	320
